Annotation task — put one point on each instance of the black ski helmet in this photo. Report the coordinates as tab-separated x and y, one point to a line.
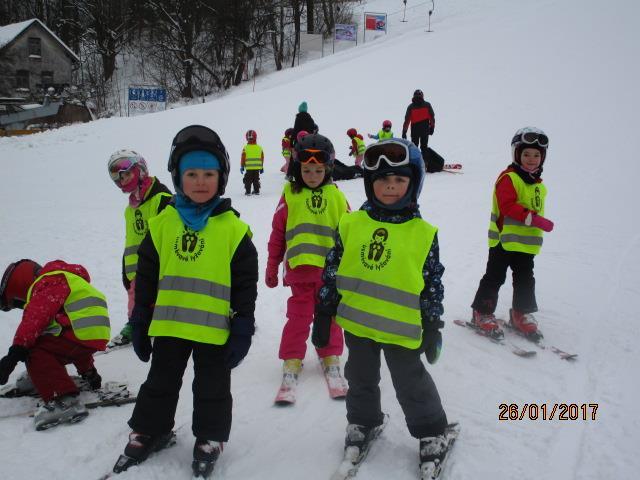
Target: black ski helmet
198	137
313	141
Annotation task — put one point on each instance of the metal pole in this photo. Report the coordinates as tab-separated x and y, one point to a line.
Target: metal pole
405	10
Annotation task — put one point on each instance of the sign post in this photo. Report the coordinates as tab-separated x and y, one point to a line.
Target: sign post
345	31
374	21
146	99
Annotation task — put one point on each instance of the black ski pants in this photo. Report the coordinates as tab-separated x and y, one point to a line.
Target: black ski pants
415	390
524	284
421	140
155	408
251	177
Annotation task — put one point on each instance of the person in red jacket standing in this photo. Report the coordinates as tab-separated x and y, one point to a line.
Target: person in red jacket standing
422	120
515	237
65	321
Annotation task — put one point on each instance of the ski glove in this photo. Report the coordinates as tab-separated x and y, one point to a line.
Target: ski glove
271	276
242	329
17	353
404	134
241	170
432	339
541	222
321	330
262	170
93	378
139	321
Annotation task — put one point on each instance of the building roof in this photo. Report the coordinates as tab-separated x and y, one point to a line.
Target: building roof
10	32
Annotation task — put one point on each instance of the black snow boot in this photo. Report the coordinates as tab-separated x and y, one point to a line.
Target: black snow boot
205	455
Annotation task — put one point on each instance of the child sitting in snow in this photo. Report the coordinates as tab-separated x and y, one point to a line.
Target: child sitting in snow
65	321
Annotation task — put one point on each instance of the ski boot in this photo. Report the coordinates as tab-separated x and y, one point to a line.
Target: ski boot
286	395
205	455
64	409
139	448
123	338
335	382
525	324
486	324
434	451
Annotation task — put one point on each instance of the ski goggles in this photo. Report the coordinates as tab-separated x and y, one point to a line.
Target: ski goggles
531	138
119	166
393	152
312	155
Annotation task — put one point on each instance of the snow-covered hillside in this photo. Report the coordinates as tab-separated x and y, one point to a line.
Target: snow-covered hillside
490	67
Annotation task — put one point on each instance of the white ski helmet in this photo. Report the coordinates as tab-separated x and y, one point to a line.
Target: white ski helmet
529	137
122	161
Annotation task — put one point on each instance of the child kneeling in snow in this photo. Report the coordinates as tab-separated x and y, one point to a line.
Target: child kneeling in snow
65	321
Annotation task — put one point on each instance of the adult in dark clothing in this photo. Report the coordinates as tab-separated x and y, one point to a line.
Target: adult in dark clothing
303	121
422	120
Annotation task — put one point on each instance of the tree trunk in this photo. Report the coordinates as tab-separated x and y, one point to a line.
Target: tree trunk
296	24
310	22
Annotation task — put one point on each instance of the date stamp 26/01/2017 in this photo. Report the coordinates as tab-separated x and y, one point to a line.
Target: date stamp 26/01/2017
544	411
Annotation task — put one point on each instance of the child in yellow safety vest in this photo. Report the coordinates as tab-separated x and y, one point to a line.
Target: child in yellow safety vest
382	285
287	149
384	133
147	197
252	163
303	225
357	146
515	238
196	288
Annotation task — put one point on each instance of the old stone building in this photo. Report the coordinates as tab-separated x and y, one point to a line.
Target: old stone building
32	59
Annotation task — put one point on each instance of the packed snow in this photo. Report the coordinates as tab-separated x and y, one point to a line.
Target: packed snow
488	68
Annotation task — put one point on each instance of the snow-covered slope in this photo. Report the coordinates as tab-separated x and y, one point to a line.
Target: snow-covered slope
490	67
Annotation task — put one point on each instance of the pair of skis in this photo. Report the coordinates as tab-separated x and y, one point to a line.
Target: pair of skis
336	386
354	457
515	349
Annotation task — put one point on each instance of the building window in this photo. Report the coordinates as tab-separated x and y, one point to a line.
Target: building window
22	79
35	47
46	78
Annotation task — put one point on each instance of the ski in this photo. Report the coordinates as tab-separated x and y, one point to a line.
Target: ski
287	392
112	394
335	381
112	349
538	341
433	470
520	352
452	166
125	462
24	388
353	457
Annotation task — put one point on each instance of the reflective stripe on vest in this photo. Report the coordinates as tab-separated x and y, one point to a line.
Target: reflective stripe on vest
380	278
137	225
312	219
85	306
515	235
194	288
252	157
383	134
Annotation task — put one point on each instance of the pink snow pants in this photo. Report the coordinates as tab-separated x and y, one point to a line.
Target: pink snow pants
300	309
131	297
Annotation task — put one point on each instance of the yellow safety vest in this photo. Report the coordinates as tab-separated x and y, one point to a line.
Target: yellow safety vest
137	225
312	219
383	135
252	157
85	306
286	152
194	288
380	278
516	236
361	147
